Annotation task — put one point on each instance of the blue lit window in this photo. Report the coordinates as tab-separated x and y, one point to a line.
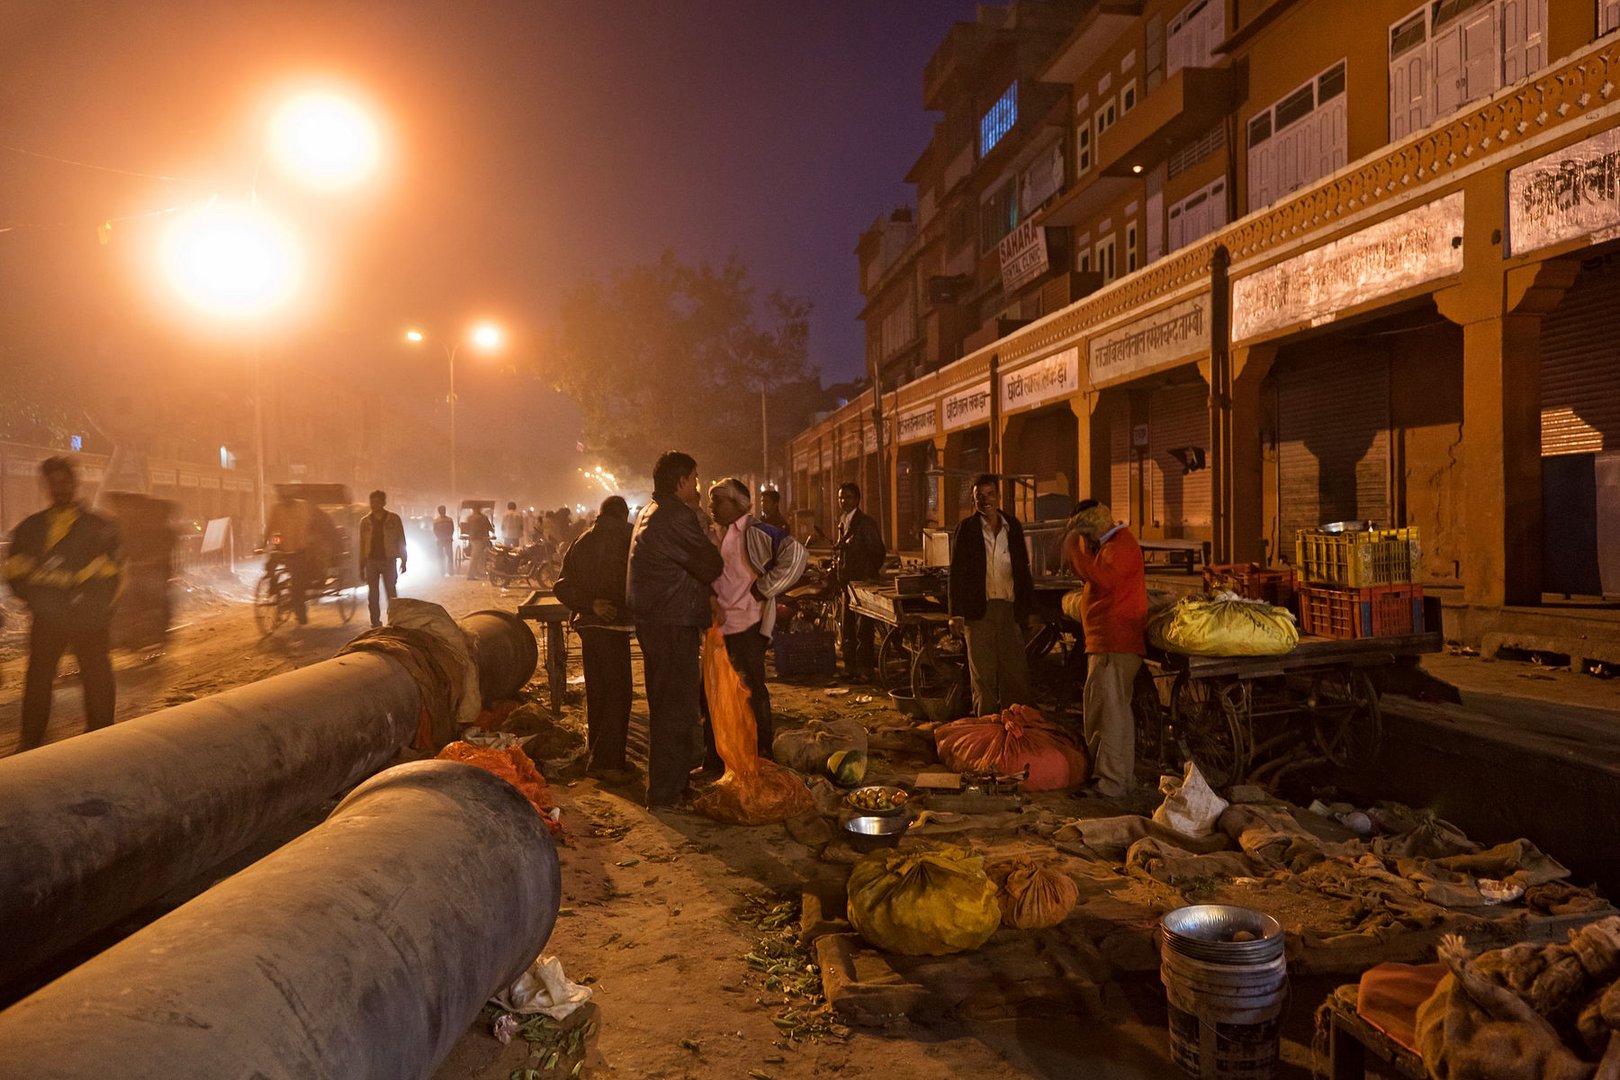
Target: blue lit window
999	120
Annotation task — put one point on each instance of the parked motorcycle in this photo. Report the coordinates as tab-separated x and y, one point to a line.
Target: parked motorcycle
526	563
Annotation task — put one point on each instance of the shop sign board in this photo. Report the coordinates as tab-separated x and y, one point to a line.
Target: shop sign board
163	476
917	424
1565	195
1409	249
849	445
826	454
968	406
869	438
1023	256
801	460
1049	379
1158	340
188	480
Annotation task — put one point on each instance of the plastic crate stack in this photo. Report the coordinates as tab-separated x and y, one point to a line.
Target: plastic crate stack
1359	584
1253	582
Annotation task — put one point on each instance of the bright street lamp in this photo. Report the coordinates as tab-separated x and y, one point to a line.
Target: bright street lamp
325	140
232	260
485	337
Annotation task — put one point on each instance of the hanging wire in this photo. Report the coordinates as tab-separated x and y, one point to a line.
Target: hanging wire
100	168
103	223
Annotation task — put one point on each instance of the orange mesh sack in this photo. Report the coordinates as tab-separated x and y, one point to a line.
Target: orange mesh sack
513	766
753	791
1033	895
1020	736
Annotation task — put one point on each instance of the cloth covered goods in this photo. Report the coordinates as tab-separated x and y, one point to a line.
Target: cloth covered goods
1007	743
1224	625
923	903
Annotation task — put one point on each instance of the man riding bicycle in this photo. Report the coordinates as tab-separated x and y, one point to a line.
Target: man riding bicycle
301	538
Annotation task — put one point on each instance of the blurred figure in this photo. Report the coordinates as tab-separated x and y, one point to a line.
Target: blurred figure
1113	614
478	530
672	565
858	555
592	587
512	526
287	536
770	510
382	540
444	534
64	563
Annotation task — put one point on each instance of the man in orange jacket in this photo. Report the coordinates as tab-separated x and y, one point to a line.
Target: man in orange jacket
1113	613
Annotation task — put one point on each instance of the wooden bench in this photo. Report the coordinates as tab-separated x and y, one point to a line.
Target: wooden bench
1191	554
1351	1039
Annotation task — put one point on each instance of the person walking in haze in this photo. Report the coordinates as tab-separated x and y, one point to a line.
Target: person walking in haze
592	587
512	526
672	566
992	592
761	562
444	534
382	540
64	564
858	555
1113	613
770	510
478	529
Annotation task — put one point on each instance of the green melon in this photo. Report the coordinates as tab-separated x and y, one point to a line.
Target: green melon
847	767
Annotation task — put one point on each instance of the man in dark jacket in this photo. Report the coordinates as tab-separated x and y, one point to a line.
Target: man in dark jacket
382	544
65	565
672	566
993	593
592	586
857	556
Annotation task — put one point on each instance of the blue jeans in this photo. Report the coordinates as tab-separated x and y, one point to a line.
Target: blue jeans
388	571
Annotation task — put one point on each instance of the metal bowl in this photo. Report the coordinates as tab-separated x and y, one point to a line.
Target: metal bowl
900	796
907	704
1205	932
872	833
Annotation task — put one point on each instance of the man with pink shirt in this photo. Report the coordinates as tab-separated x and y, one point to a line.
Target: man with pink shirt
761	561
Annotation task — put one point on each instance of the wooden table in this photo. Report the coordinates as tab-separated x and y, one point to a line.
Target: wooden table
1190	553
542	607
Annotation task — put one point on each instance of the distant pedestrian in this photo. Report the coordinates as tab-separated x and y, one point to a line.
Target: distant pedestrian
672	566
761	562
592	587
478	530
858	555
512	526
444	534
382	540
65	565
770	510
1113	614
992	591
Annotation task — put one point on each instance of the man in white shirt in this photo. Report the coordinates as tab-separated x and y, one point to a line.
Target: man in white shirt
512	526
992	592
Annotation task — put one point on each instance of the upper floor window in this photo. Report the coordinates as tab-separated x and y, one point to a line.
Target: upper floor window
1106	116
1103	258
998	215
1450	52
1082	147
999	120
1192	35
1300	139
1608	16
1127	97
1198	215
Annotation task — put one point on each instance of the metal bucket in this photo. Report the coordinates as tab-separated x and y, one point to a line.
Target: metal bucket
1226	1002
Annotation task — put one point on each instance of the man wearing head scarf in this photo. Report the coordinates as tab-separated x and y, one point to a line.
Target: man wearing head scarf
1113	613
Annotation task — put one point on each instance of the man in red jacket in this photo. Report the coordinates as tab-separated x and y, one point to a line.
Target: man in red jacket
1113	613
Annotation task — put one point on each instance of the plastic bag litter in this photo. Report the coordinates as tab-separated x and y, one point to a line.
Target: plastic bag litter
1034	895
1224	625
1007	743
929	902
752	791
1190	808
512	765
543	988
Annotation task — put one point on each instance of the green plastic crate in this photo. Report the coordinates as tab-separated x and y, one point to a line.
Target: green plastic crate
1358	560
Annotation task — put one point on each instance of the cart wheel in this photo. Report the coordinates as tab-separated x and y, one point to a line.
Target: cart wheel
348	602
936	673
894	659
1208	729
1151	717
1344	711
269	606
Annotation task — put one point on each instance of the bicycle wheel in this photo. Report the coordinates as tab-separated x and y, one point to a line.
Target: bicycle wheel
1348	723
895	656
1208	730
1151	716
348	602
269	603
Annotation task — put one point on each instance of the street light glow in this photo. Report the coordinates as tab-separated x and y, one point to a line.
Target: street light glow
325	140
487	336
415	336
232	260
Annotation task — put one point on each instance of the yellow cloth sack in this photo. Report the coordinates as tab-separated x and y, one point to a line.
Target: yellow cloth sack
923	903
1212	626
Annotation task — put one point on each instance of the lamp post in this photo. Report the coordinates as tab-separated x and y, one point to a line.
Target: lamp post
486	337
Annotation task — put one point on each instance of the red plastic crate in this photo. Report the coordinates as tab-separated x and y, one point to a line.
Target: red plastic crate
1253	581
1374	611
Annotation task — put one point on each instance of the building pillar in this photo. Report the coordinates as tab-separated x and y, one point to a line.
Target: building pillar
1237	451
1095	455
1500	314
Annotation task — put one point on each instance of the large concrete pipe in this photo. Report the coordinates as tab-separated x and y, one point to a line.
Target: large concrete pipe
362	949
95	827
507	652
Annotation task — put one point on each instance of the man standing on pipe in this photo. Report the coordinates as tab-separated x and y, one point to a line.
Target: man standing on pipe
672	566
382	540
64	563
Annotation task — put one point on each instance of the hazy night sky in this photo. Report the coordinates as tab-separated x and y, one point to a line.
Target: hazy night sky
536	143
